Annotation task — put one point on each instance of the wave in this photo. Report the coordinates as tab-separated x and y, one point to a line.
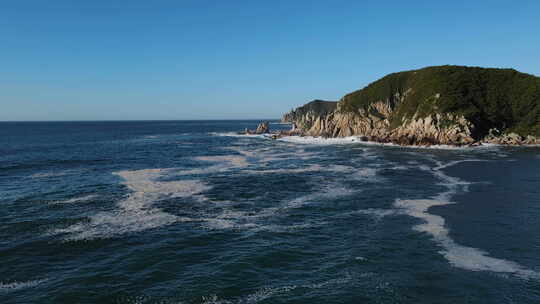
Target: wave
13	286
158	136
228	218
355	173
76	199
266	293
233	160
49	174
150	136
236	134
377	213
314	140
136	212
460	256
269	154
222	163
312	168
310	140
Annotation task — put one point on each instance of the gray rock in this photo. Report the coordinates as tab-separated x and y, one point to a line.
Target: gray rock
263	128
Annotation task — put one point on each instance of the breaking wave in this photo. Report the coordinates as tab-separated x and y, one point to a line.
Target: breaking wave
49	174
265	293
14	286
315	140
236	134
76	199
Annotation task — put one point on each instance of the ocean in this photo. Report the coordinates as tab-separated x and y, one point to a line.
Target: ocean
191	212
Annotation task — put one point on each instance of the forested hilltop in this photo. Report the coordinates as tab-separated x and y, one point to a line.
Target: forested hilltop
436	105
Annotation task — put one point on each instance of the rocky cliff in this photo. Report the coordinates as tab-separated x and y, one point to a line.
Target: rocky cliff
305	115
436	105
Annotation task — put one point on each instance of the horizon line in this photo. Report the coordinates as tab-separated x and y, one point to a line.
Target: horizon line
133	120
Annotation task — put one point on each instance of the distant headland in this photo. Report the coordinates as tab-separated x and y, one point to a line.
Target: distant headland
439	105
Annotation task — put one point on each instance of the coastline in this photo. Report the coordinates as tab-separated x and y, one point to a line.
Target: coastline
358	139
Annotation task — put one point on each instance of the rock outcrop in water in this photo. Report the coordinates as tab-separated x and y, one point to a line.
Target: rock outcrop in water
450	105
263	128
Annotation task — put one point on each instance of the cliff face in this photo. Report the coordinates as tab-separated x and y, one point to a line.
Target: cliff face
421	108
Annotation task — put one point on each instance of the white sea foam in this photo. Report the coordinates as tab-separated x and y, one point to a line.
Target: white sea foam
313	140
76	199
328	192
355	173
378	213
14	286
234	219
364	173
150	136
398	167
49	174
458	255
136	212
247	153
234	160
235	134
310	140
311	168
221	163
269	154
266	293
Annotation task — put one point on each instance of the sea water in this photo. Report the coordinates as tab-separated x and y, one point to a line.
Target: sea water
192	212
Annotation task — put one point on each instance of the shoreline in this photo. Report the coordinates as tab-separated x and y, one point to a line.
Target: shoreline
357	139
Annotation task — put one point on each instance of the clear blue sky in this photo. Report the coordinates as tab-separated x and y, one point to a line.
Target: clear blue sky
103	60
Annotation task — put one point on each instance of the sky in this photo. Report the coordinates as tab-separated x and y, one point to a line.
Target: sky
153	60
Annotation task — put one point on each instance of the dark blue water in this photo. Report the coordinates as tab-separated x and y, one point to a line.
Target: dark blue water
186	212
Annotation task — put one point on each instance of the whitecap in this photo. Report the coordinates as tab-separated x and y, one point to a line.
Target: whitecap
76	199
13	286
49	174
222	163
316	140
355	173
399	168
150	137
266	293
236	134
311	140
312	168
233	160
377	213
269	154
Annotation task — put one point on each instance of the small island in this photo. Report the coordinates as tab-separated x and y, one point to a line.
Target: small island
439	105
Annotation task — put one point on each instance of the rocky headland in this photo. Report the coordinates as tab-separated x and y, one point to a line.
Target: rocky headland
441	105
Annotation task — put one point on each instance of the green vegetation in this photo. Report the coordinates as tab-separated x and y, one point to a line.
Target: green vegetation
318	107
490	98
